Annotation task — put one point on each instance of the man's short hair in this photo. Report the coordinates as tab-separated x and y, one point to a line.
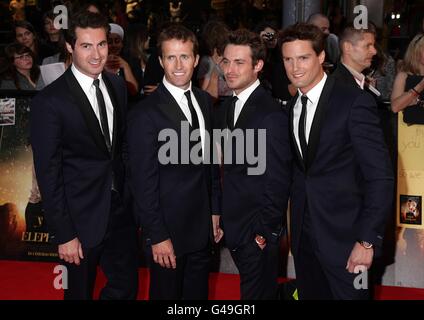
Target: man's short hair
84	20
177	32
244	37
353	35
303	31
316	16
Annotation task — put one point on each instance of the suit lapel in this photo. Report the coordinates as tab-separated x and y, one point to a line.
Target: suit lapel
318	121
170	107
299	158
248	109
87	111
350	79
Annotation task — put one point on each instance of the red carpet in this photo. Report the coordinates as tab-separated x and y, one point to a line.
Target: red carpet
34	281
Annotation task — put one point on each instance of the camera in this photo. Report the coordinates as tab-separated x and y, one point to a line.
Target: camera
269	36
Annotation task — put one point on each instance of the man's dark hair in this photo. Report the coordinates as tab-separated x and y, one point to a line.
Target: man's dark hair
303	31
352	34
214	35
177	32
244	37
84	20
315	16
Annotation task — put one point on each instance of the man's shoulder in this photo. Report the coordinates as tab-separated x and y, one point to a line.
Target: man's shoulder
263	99
200	92
147	105
348	94
56	89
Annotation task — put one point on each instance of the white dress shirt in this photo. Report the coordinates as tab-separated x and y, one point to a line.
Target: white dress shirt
313	99
89	89
360	80
242	98
181	99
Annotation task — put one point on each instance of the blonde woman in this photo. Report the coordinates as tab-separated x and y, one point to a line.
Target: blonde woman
408	88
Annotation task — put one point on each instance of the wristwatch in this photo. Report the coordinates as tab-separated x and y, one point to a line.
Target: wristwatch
366	244
260	240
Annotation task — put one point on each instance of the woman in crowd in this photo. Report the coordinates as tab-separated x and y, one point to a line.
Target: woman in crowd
210	75
408	89
25	34
21	72
138	42
115	63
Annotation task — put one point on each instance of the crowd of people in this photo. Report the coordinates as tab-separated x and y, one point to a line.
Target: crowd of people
97	134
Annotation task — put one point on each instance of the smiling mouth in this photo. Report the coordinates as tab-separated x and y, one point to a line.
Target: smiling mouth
95	64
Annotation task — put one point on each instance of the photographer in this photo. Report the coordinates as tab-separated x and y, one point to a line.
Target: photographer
273	76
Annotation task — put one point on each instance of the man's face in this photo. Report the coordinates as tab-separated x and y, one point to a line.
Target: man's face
238	67
323	24
178	62
90	52
303	65
49	27
115	44
361	52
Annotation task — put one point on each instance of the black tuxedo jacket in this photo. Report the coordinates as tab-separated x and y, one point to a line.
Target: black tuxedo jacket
343	75
172	200
346	180
73	165
256	204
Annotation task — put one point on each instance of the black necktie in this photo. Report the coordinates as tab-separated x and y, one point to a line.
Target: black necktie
302	125
103	114
230	113
194	120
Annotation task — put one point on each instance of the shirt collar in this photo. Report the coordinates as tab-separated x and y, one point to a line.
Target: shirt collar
314	94
176	92
85	81
245	94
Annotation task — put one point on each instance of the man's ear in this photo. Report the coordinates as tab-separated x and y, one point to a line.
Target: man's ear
196	61
69	48
346	47
321	57
259	65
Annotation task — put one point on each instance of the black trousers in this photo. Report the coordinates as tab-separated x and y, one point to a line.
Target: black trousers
316	280
189	281
117	255
258	270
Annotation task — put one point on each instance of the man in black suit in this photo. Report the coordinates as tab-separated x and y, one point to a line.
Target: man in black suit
357	52
77	136
342	179
254	195
170	180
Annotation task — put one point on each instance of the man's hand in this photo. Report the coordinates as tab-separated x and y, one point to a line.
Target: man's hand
163	253
359	256
217	231
71	251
